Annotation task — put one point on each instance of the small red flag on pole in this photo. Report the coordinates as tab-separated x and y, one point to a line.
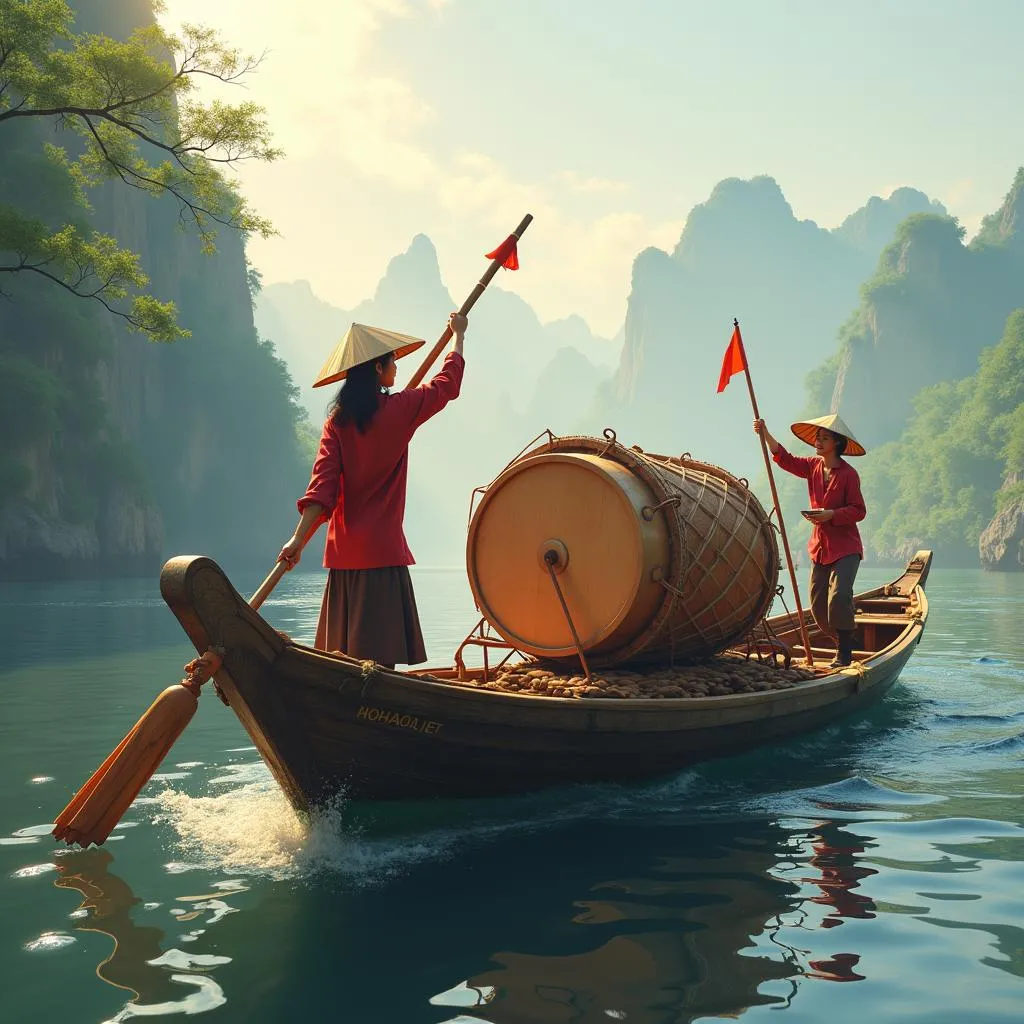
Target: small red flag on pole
506	254
735	360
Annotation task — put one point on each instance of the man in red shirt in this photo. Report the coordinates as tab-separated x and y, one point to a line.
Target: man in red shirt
837	506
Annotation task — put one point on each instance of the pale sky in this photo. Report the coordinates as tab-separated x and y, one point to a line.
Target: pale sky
607	120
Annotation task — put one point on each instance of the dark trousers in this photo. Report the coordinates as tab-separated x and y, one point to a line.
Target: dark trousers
832	594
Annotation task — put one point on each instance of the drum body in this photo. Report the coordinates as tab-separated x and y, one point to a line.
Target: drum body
658	559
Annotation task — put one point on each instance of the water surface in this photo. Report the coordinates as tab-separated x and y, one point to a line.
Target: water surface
871	870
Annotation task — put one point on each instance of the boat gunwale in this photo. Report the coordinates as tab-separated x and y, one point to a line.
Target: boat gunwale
588	711
814	686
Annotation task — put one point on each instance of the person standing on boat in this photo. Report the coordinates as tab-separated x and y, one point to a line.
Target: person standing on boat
358	485
837	506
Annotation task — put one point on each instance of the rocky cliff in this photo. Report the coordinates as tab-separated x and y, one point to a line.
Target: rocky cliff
123	451
1001	544
933	304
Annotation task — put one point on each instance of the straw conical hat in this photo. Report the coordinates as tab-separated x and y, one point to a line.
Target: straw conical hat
806	430
360	345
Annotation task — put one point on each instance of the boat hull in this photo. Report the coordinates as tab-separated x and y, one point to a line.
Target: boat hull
326	723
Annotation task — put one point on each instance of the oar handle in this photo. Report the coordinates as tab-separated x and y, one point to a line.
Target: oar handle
475	294
280	569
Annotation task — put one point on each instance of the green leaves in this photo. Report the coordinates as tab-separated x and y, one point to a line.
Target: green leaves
132	106
90	265
936	484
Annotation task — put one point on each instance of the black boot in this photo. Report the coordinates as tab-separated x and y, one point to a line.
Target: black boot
844	652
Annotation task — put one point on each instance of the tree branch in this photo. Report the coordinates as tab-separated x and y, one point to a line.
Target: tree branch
37	268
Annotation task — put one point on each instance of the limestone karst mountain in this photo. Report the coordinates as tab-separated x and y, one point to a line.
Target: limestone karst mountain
521	377
743	253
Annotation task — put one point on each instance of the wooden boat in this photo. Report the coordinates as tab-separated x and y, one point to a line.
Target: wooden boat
325	723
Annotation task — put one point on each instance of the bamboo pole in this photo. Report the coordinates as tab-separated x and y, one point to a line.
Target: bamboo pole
778	508
280	569
465	308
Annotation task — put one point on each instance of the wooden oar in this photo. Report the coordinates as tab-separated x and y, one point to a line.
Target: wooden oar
501	255
94	811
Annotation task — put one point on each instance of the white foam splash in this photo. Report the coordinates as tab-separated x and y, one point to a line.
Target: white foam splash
254	830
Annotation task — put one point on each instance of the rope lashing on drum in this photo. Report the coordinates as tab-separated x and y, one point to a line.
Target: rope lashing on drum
704	541
551	560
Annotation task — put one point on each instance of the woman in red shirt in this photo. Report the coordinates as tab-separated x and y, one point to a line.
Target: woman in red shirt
358	485
837	506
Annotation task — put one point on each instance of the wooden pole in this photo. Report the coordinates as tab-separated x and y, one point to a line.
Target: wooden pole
280	569
465	308
778	508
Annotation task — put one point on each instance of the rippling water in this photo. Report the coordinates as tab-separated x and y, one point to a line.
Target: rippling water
873	870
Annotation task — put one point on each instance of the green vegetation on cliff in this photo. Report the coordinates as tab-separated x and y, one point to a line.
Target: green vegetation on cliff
937	485
129	115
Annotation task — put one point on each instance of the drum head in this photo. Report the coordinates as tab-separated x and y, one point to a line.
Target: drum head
583	509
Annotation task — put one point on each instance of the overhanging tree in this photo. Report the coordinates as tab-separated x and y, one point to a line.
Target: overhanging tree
132	108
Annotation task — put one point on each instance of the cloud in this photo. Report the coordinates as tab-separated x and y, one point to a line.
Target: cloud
577	183
350	126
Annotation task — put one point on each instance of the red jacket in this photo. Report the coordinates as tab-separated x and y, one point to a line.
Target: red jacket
360	479
839	536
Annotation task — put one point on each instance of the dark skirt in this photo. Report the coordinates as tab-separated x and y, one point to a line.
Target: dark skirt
370	614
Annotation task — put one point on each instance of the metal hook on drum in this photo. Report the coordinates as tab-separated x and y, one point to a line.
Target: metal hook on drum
612	440
648	510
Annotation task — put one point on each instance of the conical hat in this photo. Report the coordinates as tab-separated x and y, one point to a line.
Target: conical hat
806	430
360	345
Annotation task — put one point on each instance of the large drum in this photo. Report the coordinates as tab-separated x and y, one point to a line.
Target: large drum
658	559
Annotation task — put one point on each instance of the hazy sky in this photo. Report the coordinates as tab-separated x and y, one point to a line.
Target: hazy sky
607	120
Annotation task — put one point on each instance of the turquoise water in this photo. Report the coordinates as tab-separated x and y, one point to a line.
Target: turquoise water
874	870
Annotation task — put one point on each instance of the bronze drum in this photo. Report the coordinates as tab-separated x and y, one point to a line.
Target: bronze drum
658	559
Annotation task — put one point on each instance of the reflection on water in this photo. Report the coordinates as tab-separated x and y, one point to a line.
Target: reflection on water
700	935
874	869
138	963
834	855
106	908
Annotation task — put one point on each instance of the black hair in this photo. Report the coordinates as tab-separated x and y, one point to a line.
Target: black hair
841	441
358	397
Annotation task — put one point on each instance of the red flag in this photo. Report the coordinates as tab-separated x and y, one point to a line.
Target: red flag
506	252
735	359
